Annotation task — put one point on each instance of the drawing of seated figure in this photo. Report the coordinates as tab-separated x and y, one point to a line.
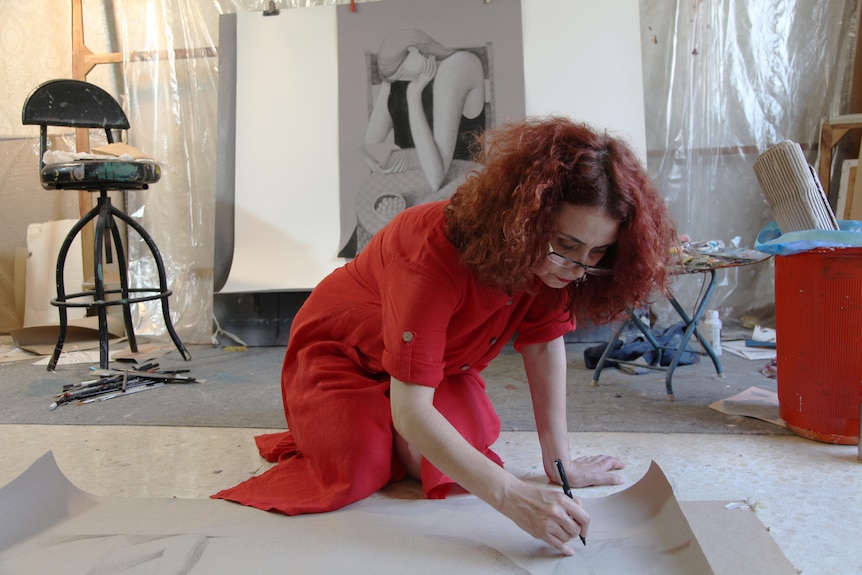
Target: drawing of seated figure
430	103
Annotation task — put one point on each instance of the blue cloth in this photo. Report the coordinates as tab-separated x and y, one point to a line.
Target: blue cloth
669	340
770	240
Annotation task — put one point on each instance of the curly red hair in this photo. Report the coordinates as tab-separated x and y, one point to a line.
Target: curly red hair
502	217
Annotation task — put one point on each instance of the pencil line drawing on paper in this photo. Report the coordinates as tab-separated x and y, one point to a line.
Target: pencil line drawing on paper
427	103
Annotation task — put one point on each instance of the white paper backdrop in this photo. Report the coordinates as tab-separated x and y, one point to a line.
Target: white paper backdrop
581	59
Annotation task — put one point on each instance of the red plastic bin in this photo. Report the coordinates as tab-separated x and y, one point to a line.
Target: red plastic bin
818	324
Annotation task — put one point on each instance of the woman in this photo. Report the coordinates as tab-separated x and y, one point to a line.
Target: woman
430	102
381	376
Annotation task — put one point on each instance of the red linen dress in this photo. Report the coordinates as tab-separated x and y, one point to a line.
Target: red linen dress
404	307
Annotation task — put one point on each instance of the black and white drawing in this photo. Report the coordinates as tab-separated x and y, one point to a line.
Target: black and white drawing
430	102
426	101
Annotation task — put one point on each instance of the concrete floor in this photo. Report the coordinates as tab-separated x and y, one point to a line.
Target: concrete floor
806	493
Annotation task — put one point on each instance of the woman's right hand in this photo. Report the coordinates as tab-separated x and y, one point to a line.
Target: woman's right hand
542	511
547	514
425	77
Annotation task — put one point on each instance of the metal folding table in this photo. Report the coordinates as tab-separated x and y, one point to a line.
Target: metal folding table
707	264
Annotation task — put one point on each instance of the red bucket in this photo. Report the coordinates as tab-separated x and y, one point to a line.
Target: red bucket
818	324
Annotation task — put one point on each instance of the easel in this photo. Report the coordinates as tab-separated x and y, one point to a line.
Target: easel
83	62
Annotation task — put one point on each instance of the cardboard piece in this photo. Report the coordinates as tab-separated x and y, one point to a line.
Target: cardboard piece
43	245
121	149
76	357
81	334
11	353
48	525
734	540
40	325
753	402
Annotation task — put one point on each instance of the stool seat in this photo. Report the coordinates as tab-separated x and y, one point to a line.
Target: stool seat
90	175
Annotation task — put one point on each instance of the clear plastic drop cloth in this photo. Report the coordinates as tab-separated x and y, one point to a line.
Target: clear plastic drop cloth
723	81
170	80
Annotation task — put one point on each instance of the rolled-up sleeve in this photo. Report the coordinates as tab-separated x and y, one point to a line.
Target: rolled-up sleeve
416	309
546	320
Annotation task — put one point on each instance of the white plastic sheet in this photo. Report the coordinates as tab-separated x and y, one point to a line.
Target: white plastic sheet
723	81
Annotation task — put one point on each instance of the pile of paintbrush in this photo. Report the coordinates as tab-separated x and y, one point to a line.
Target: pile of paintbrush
113	383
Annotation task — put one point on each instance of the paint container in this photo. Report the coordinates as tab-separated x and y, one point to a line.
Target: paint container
818	327
712	330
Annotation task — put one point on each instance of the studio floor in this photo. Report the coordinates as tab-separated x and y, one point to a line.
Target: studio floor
806	493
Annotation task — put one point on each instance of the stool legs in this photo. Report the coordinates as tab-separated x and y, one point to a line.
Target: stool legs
163	280
103	222
106	214
60	301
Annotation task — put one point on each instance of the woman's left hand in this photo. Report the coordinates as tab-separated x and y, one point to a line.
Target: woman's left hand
594	470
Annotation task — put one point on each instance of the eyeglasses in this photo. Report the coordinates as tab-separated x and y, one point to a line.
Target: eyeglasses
565	262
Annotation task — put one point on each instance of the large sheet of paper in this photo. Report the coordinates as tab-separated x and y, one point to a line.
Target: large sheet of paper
286	199
47	525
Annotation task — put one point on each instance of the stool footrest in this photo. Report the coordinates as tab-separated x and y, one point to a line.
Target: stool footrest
156	293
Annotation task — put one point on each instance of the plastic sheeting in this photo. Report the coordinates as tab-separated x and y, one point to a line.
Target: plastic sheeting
170	77
723	80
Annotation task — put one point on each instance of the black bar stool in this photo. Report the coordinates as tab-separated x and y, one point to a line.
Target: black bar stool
73	103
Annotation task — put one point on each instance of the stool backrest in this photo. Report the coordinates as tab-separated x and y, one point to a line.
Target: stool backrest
75	104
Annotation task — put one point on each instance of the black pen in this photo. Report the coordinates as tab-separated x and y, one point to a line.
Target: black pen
567	489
